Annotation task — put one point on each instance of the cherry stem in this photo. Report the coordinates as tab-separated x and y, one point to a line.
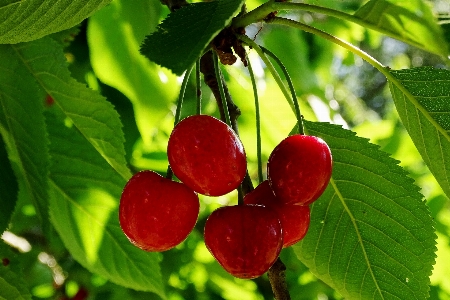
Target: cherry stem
221	90
298	114
355	50
289	95
169	173
208	71
198	87
181	95
258	121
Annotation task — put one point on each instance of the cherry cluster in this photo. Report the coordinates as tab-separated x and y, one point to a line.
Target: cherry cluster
206	155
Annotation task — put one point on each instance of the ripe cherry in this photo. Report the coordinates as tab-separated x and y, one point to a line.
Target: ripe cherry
156	213
206	155
299	169
245	239
294	218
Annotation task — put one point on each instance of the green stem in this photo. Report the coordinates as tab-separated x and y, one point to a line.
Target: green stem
254	16
375	63
181	95
169	173
262	11
298	114
199	87
221	90
258	121
269	66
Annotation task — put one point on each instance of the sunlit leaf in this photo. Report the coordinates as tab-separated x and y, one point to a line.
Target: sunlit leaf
181	38
89	112
23	130
409	21
114	35
422	99
371	234
23	21
84	210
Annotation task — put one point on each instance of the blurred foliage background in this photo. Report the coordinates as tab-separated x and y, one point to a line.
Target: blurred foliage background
332	84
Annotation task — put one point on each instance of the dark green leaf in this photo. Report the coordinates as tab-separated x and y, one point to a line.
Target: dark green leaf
422	99
181	38
371	234
23	129
85	192
23	21
8	188
410	21
12	282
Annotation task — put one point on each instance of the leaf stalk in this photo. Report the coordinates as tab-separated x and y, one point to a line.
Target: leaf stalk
258	121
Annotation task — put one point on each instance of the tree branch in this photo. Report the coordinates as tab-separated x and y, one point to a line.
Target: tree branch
277	278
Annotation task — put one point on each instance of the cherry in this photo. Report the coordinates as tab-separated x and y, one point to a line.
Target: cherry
206	155
245	239
299	169
156	213
294	218
82	294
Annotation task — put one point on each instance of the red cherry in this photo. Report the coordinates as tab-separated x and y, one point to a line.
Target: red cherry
206	155
156	213
294	218
299	169
245	239
82	294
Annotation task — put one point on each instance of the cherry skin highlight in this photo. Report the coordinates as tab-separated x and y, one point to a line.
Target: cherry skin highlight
156	213
245	239
299	169
206	155
294	219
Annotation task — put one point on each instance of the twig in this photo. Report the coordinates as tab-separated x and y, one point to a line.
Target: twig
277	278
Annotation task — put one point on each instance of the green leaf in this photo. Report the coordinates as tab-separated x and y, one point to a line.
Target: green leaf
422	99
84	210
12	282
23	130
410	21
371	234
12	285
23	21
181	38
114	35
8	188
89	112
